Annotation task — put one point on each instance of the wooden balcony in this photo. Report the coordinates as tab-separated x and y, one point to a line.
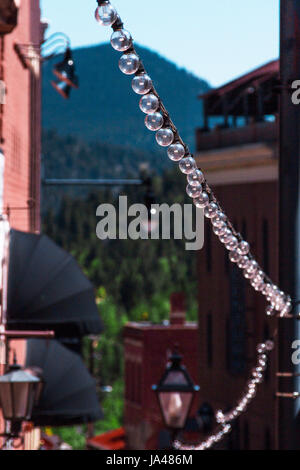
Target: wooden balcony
256	132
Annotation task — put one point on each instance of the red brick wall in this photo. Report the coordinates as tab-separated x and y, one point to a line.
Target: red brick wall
21	122
20	129
254	207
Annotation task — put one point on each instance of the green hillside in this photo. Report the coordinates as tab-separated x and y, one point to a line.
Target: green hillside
105	109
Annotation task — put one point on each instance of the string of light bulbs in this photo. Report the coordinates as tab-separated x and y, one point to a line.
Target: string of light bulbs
158	120
225	419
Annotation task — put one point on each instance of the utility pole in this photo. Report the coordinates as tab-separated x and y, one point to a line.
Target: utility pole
289	223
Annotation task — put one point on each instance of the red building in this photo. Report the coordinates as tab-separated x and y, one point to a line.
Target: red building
20	132
20	128
147	349
239	157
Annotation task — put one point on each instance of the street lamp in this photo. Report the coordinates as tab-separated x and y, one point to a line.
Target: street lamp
49	48
175	392
18	394
65	72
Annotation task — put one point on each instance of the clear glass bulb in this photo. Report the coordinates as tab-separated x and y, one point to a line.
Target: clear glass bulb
121	40
154	121
129	63
141	84
232	243
149	103
219	218
257	285
220	229
187	165
196	177
248	274
202	200
243	248
267	289
270	345
287	308
270	311
259	276
106	14
242	263
164	137
194	191
225	236
176	152
252	266
234	256
211	210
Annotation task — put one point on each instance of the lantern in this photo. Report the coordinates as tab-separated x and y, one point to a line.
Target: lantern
18	392
65	70
175	392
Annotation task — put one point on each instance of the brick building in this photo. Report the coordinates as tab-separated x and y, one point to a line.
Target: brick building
239	157
20	131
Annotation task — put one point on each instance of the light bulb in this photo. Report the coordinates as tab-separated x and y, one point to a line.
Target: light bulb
252	267
176	152
232	243
194	191
196	177
154	121
106	14
187	165
121	40
129	63
219	218
202	200
225	236
234	256
164	137
242	263
248	274
270	345
141	84
211	210
149	103
243	248
220	229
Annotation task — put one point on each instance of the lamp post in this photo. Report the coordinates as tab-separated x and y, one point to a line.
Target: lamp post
19	390
175	393
64	71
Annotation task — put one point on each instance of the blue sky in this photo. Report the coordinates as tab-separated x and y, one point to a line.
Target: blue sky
217	40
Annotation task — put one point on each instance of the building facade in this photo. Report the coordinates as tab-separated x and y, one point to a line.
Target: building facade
239	156
20	128
20	134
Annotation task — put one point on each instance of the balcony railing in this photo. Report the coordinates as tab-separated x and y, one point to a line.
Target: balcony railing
220	138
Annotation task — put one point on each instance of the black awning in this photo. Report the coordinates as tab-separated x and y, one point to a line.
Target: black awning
47	289
69	393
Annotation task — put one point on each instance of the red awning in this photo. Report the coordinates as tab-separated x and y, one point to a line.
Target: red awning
111	440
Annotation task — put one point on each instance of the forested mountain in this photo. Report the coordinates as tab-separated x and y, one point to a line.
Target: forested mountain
105	109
